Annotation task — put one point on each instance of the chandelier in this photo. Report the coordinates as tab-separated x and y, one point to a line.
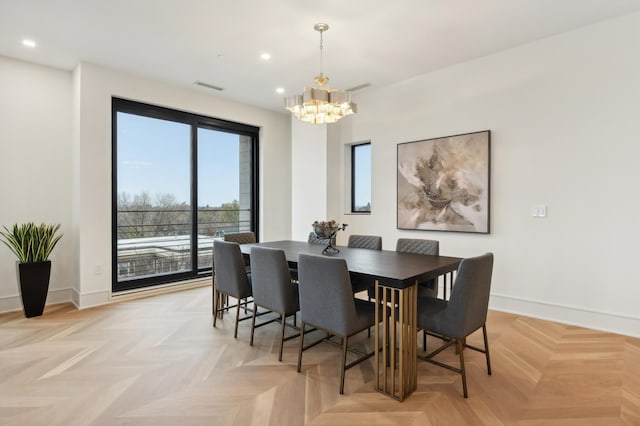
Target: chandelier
321	104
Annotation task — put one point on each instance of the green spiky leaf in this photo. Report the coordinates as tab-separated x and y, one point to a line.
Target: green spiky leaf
30	242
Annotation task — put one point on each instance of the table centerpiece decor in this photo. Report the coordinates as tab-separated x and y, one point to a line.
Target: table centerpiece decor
326	230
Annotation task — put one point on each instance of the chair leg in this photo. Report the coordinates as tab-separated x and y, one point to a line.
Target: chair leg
424	340
283	320
235	332
216	296
460	347
444	287
301	345
344	363
253	323
486	348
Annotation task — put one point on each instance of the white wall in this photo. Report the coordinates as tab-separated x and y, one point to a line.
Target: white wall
563	113
64	119
35	168
309	177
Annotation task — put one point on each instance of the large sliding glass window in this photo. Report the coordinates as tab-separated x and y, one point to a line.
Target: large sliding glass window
172	170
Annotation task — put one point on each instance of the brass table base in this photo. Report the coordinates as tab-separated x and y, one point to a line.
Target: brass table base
396	350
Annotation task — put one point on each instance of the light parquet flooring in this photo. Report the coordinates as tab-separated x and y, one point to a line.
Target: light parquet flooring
158	361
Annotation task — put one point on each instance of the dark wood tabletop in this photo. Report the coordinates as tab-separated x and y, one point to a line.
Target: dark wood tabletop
391	268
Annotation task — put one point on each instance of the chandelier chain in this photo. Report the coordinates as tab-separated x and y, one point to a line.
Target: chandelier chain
321	46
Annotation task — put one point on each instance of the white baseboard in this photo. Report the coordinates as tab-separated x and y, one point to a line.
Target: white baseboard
101	297
97	298
123	296
90	299
14	303
597	320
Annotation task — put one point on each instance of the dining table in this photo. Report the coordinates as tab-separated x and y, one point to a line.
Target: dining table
396	276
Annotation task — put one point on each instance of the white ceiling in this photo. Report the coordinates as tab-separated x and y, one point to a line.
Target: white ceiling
219	42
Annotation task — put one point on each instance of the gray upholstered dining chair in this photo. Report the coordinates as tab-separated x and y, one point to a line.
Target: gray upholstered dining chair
248	237
272	288
420	246
313	239
463	314
241	237
327	303
230	279
370	242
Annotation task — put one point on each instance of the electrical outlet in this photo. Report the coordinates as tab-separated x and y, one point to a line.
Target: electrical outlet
97	269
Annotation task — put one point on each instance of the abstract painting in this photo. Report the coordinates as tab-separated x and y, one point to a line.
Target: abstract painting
443	183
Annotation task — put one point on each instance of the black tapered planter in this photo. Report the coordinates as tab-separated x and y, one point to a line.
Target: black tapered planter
34	286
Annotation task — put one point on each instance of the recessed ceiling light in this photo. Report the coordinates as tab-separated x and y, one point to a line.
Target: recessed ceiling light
29	43
265	56
280	90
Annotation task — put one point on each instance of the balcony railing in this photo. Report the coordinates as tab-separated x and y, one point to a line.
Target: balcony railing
158	241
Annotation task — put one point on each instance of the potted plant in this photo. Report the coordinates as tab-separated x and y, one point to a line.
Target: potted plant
32	244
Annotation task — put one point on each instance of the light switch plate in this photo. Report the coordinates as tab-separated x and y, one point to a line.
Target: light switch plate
539	211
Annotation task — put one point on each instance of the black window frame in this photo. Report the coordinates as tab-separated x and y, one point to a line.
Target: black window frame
353	179
195	121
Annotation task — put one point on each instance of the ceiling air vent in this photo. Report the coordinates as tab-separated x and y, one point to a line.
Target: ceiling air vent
358	87
209	86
